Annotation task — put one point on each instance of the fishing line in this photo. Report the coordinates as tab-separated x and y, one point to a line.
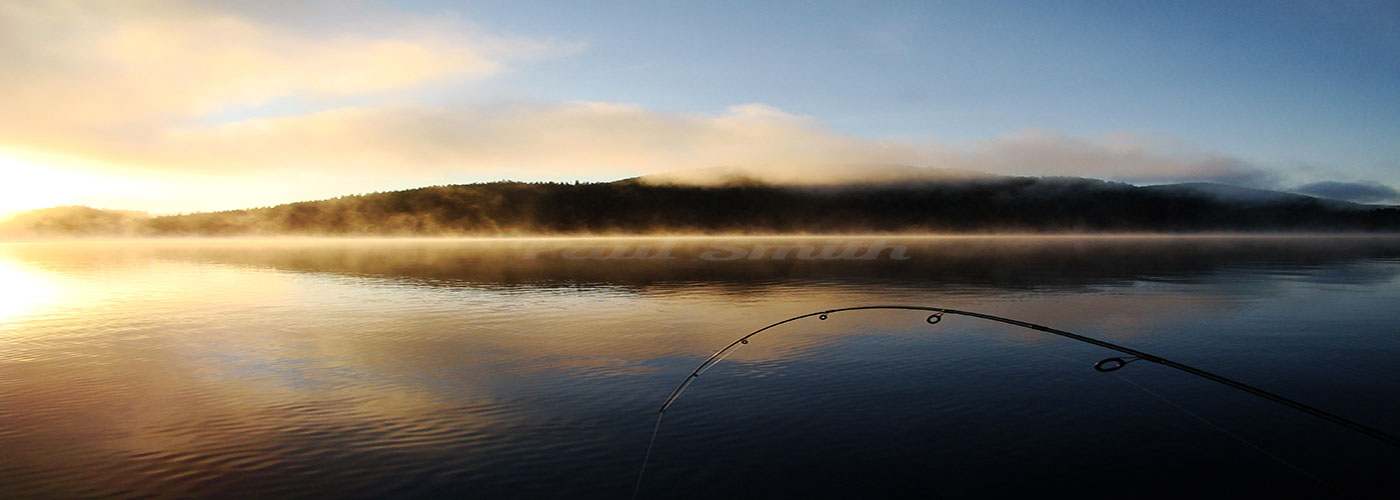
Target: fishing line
640	474
1223	430
1105	365
1235	436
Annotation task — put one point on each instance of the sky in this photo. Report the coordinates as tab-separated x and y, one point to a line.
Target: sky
178	106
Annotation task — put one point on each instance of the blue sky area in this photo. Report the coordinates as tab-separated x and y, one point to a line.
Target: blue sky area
1312	84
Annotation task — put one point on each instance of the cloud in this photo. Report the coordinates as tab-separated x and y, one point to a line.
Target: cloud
591	138
87	71
155	86
550	139
1122	156
1360	192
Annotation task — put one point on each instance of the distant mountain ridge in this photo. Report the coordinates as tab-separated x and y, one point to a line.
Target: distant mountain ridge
830	176
946	201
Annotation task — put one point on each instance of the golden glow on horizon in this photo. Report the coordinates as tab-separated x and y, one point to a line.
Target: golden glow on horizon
28	186
29	182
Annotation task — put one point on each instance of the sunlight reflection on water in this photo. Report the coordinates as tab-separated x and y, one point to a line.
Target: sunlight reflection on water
310	368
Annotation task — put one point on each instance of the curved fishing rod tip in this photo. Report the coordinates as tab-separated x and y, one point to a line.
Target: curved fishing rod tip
1104	365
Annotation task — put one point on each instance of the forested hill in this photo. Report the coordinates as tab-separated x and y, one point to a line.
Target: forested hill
1022	204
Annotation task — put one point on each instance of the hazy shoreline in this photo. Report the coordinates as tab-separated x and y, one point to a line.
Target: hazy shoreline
990	205
707	237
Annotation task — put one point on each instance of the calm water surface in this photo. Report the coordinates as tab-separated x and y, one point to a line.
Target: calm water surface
462	368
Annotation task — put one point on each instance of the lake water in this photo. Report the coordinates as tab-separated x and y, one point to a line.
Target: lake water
534	369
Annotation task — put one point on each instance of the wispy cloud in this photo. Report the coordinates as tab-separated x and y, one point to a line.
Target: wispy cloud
1122	156
569	138
589	138
90	72
131	85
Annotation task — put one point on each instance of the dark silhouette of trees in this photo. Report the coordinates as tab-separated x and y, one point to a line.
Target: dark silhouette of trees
985	204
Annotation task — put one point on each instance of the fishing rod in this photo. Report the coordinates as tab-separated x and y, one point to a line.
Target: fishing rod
1105	365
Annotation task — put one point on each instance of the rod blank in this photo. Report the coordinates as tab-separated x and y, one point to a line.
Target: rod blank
1106	365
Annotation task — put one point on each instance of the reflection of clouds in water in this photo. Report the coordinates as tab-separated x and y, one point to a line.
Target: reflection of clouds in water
211	358
1353	273
1011	263
474	302
482	289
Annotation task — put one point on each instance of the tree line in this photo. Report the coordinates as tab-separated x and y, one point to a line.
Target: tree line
993	204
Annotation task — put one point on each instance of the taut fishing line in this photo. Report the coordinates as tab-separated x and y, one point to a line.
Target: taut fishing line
1105	365
1203	420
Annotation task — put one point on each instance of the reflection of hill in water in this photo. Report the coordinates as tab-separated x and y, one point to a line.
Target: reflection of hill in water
997	262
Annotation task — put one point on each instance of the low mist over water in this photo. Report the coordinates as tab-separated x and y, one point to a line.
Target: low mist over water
533	368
